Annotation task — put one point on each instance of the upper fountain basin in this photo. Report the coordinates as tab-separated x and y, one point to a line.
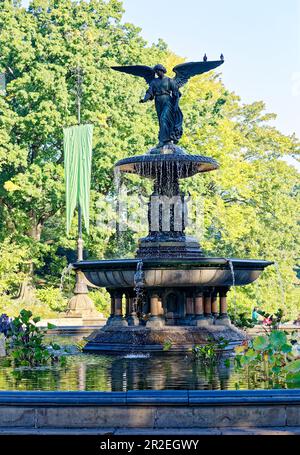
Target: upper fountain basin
119	273
169	159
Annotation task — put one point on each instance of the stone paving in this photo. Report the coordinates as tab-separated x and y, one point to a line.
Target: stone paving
275	431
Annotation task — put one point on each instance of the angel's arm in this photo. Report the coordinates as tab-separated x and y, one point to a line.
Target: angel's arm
149	96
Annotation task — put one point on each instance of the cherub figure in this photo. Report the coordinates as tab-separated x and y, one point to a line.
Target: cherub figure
165	91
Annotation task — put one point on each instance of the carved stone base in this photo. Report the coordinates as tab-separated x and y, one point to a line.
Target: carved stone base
109	319
167	245
133	320
223	320
118	321
117	340
203	322
81	306
155	322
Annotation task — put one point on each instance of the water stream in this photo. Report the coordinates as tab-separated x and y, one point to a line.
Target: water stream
280	282
64	275
139	280
233	285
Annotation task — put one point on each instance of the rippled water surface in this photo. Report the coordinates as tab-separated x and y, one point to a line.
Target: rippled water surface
121	373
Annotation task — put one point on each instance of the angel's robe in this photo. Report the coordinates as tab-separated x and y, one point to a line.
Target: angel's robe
166	94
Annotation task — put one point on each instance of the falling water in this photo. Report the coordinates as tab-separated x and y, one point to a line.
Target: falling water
187	170
65	273
280	282
117	180
119	192
139	282
138	288
233	284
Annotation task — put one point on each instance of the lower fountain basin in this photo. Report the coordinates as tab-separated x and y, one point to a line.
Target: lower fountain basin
119	273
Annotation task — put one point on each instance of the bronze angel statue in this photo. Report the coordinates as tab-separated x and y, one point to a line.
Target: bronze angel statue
165	91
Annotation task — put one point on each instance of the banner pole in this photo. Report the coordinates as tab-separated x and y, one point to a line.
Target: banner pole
81	305
78	97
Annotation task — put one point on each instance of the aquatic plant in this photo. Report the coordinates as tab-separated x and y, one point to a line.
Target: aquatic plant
5	324
210	353
26	344
272	359
167	346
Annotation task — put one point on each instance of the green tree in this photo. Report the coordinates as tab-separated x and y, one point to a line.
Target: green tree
40	47
251	203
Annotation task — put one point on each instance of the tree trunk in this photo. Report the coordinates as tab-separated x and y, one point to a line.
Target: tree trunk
27	289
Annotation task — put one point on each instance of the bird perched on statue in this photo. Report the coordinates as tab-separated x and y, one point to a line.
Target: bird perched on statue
205	58
222	58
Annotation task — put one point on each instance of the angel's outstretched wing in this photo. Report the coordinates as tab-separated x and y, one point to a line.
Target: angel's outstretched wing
137	70
186	70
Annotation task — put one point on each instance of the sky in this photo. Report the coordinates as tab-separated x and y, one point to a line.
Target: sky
260	40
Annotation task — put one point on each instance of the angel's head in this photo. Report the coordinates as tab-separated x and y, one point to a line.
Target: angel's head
160	70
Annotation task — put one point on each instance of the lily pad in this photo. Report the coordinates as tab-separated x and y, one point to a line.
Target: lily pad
260	343
293	367
286	348
278	339
293	379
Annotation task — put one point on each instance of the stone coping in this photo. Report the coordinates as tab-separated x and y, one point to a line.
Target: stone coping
151	397
189	263
179	432
115	349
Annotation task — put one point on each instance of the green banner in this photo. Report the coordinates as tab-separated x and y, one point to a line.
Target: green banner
78	158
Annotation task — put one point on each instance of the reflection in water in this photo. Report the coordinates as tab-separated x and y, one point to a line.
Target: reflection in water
116	373
82	376
134	371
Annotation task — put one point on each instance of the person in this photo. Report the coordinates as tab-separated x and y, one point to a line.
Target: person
255	315
165	92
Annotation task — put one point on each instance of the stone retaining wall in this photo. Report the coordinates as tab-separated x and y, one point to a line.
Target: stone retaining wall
150	409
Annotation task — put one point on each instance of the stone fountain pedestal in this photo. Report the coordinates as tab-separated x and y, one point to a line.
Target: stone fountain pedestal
81	307
197	317
153	339
175	296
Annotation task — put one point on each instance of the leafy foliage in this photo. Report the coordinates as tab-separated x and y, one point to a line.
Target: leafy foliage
26	341
270	359
167	346
250	205
52	298
101	300
241	320
13	267
211	352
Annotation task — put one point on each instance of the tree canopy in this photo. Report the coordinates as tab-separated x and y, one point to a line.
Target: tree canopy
251	204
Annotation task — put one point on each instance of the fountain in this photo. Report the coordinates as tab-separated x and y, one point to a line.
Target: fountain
173	292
